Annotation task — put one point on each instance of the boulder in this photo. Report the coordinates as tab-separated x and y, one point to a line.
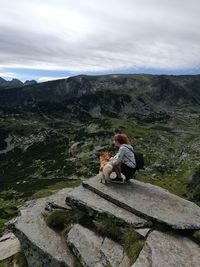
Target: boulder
9	246
167	250
42	246
95	251
114	254
93	204
149	201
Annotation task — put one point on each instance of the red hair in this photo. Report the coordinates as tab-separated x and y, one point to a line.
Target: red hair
121	138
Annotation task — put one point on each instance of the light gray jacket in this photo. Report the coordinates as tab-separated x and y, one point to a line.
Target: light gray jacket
125	155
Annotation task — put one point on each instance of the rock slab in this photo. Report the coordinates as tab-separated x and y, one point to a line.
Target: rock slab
42	246
85	199
168	250
9	246
95	251
149	201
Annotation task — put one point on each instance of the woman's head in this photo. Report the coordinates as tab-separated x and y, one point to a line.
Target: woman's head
120	139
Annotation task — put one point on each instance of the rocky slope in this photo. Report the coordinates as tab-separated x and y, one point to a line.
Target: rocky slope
103	234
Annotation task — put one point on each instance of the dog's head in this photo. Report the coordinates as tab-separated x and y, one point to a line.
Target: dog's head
104	158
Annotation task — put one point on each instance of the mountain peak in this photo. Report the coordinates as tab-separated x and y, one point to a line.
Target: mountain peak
30	82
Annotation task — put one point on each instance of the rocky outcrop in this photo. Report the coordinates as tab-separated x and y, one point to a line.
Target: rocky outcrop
95	251
122	205
167	250
149	201
42	246
9	246
93	204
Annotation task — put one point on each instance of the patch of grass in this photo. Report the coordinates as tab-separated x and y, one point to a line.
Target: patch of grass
21	259
50	189
60	219
132	243
196	236
16	260
108	227
2	226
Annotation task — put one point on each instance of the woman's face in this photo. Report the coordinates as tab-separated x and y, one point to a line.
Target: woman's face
116	143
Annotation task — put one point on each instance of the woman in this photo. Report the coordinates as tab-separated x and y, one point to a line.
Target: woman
124	161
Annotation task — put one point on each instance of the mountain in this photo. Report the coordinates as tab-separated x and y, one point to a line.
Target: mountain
14	83
27	82
138	92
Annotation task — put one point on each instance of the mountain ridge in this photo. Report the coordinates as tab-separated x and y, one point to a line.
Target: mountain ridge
14	83
148	92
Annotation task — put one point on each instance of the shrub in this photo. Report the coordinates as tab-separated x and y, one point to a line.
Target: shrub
59	218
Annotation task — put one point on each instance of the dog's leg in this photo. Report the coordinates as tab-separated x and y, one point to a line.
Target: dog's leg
106	172
101	177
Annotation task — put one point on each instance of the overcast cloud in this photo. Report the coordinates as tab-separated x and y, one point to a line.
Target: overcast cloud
99	35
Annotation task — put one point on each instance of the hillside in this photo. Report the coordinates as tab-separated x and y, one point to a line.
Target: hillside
51	133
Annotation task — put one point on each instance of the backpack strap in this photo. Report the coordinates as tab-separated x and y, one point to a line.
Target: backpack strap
128	157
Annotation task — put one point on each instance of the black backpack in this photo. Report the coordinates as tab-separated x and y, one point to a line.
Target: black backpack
139	159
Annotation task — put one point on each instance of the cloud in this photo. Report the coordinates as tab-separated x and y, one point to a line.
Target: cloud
104	35
49	78
9	75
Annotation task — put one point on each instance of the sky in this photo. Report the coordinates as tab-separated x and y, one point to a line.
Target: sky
50	39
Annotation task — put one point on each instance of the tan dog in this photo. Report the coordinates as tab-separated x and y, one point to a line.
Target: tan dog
105	167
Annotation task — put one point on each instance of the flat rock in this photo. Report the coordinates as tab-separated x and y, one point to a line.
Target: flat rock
57	200
114	254
9	246
95	251
85	199
143	232
41	245
168	250
149	201
86	246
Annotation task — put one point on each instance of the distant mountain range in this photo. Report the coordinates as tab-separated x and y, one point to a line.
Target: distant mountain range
14	83
116	95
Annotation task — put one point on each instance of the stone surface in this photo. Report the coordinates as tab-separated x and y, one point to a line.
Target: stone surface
149	201
9	246
84	199
86	246
114	254
168	250
95	251
42	246
57	200
143	232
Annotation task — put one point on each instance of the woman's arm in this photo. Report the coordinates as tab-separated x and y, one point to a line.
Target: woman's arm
117	158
